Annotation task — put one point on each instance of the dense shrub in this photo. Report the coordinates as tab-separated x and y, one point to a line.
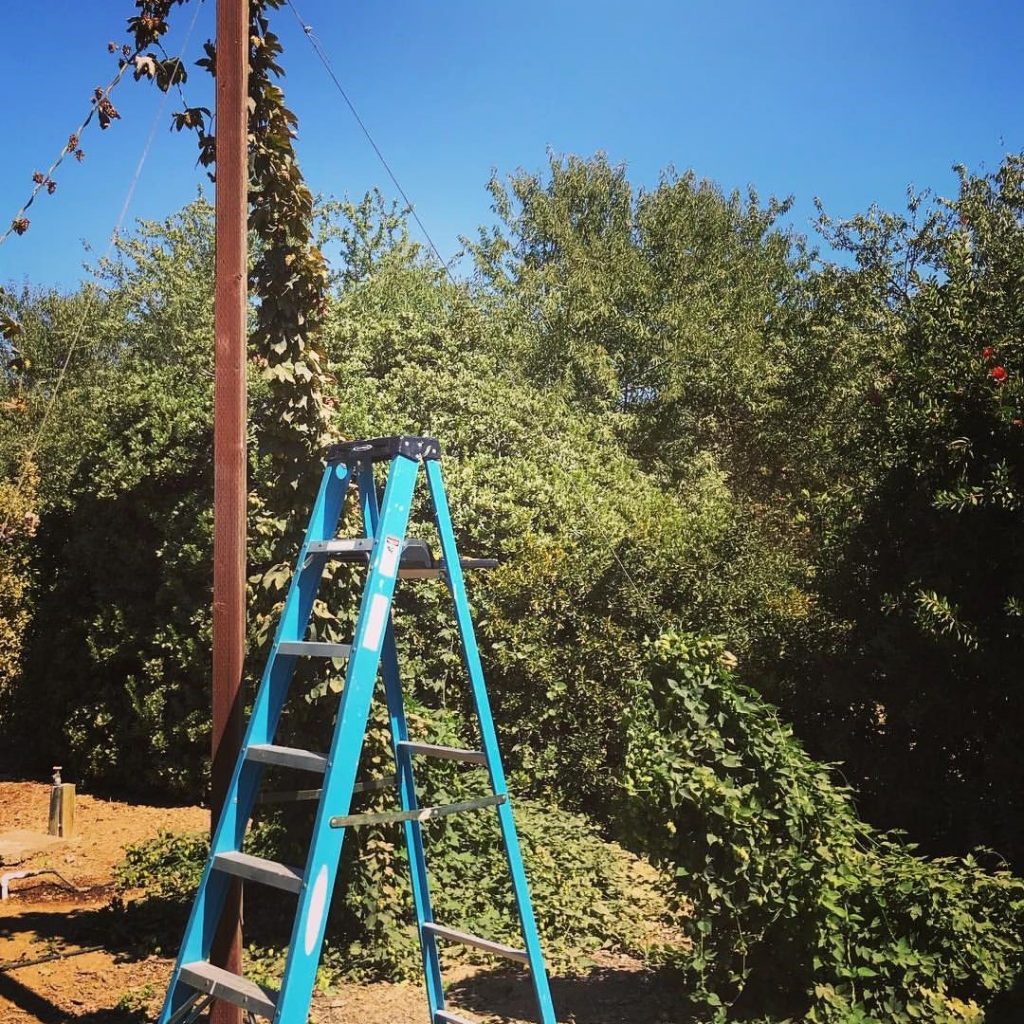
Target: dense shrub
590	894
799	908
18	523
596	553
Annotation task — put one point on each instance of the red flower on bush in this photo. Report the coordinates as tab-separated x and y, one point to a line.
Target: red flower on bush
998	374
988	352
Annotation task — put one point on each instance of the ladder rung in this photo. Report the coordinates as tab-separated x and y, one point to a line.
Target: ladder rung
288	757
415	553
445	753
311	649
293	795
420	814
447	1017
498	948
258	869
221	984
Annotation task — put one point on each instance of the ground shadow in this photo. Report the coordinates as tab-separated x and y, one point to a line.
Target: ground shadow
45	1012
129	932
604	995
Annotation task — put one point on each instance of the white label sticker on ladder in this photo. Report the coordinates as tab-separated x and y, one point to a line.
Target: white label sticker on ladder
375	622
390	556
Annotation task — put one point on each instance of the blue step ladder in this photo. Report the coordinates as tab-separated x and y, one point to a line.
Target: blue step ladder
195	982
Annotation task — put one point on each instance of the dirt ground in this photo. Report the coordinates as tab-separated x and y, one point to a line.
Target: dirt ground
107	973
44	916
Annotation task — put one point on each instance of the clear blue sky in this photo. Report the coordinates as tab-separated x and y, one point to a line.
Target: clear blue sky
849	101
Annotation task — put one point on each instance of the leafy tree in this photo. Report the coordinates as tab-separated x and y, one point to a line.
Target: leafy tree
115	662
664	307
18	524
678	315
913	499
596	554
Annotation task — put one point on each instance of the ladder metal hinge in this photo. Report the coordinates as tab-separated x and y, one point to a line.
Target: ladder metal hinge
420	814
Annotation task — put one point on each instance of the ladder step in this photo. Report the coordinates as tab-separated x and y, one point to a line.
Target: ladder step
294	795
415	553
288	757
417	562
498	948
257	869
445	753
447	1017
221	984
337	546
420	814
309	648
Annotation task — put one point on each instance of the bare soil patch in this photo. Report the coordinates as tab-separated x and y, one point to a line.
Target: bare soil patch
43	917
618	990
104	829
123	981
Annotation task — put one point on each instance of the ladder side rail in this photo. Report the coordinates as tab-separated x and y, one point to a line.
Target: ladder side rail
419	878
474	668
270	697
343	759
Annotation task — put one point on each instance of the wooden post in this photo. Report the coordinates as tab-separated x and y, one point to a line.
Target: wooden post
229	441
62	807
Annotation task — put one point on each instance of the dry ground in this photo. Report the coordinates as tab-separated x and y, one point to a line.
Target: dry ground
122	982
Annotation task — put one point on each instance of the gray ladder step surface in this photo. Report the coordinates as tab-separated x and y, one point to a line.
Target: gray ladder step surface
288	757
445	753
420	814
221	984
257	869
363	546
312	649
447	1017
339	546
295	795
498	948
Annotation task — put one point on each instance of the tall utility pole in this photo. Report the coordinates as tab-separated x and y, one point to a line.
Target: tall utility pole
229	441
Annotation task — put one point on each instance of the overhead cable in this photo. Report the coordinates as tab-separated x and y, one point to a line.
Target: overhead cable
321	53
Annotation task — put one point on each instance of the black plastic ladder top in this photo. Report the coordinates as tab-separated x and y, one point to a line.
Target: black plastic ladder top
382	449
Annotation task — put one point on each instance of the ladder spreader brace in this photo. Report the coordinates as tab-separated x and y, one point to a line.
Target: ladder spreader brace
390	556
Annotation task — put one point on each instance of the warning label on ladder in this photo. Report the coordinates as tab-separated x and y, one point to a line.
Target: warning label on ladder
390	556
375	622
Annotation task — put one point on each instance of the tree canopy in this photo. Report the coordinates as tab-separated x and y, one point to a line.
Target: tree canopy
731	482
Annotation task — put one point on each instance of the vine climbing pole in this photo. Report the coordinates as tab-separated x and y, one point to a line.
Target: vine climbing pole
259	187
229	441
